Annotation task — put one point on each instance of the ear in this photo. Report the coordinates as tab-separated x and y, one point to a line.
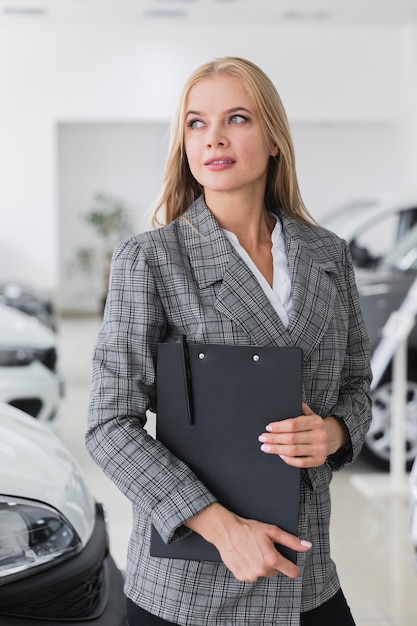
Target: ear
274	150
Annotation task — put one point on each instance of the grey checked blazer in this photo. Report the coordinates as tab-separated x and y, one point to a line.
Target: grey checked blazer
187	278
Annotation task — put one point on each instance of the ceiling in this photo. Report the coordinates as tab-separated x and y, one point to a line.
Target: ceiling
355	12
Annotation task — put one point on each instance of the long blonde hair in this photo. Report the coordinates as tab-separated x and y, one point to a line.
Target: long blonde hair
181	189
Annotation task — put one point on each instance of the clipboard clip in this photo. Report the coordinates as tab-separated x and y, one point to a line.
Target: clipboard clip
187	379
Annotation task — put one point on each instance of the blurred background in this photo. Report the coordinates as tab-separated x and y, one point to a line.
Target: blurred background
87	92
88	88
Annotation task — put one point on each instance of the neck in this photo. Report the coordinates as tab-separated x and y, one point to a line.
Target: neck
244	216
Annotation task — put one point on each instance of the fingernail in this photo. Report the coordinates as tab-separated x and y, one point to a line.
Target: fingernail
265	448
262	438
306	544
268	428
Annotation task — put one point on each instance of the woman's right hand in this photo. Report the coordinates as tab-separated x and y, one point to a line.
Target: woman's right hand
247	547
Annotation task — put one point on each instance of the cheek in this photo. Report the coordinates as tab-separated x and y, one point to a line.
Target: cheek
257	160
255	151
191	152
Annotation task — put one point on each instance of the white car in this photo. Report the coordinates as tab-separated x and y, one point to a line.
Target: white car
29	379
55	564
413	500
29	300
372	227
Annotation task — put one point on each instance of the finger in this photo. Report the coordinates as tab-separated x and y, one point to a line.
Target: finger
287	567
301	456
293	444
299	430
302	462
284	426
288	450
306	409
294	424
279	564
288	540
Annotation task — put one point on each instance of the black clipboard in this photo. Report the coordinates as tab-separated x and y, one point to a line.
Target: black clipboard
213	401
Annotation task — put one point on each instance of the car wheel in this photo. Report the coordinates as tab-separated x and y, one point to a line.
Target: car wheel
377	446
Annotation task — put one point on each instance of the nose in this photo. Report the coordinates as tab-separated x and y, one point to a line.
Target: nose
216	136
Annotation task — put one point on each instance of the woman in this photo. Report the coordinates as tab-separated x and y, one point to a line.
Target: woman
239	261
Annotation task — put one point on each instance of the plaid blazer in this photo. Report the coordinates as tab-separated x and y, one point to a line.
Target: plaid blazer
187	278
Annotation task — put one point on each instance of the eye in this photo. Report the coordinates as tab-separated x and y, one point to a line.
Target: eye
195	123
238	119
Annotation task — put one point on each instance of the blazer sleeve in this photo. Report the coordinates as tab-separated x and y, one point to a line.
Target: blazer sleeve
354	401
123	390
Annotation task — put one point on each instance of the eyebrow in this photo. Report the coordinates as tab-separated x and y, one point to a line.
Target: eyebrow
232	110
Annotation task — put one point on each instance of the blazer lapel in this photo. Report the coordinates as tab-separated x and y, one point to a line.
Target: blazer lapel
313	290
242	299
240	296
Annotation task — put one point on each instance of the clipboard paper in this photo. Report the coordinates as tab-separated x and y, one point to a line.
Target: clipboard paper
213	401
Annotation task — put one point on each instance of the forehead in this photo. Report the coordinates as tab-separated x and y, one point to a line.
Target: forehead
222	91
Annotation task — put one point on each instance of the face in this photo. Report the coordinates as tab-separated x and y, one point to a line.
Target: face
225	143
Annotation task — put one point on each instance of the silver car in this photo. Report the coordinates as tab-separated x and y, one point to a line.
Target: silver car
382	291
384	250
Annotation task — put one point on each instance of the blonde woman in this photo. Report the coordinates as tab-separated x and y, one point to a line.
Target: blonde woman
238	260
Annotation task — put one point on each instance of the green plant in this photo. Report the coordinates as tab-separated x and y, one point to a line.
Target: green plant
110	219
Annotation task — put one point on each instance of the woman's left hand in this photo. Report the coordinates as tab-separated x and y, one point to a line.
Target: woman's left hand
306	440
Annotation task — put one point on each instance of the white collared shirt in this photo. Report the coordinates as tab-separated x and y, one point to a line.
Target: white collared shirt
280	293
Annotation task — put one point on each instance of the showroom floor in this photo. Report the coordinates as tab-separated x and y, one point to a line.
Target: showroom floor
369	534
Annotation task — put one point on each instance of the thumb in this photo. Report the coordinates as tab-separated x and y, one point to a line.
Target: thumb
306	409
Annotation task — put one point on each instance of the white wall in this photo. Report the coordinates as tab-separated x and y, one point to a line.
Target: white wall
57	73
408	82
124	160
338	163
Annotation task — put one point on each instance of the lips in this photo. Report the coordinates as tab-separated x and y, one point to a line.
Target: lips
219	162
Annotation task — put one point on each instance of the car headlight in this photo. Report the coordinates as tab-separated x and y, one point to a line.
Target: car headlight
32	534
12	357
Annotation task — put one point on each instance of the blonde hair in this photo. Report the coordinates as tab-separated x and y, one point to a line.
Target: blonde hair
181	189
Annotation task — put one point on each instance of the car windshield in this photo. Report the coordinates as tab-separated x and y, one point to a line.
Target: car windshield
349	220
404	255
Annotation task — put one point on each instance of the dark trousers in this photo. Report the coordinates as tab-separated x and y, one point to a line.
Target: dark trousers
335	611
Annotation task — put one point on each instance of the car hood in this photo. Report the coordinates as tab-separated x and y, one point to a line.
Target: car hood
378	274
349	221
28	300
377	278
35	465
18	329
